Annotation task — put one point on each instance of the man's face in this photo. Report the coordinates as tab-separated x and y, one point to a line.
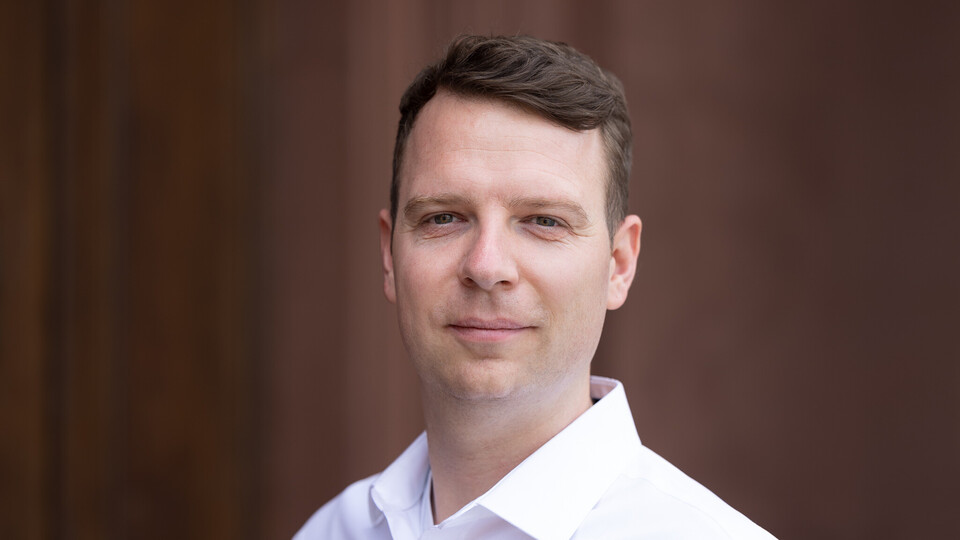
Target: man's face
501	265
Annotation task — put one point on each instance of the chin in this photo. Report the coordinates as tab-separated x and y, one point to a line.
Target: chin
484	380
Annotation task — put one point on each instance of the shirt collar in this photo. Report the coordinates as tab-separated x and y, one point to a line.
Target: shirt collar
550	493
401	485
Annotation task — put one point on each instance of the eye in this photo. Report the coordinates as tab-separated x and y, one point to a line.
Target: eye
544	221
441	219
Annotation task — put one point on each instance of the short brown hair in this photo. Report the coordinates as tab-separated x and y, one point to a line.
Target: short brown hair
552	80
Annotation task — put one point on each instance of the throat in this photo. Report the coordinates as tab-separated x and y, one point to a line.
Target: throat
471	452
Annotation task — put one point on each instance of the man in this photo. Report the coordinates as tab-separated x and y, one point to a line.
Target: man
506	242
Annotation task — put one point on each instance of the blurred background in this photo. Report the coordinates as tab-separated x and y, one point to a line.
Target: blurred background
193	337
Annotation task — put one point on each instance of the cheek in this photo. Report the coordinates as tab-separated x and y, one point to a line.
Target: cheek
420	281
574	293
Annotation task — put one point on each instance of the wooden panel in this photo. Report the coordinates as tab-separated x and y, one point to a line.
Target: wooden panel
127	258
27	292
89	470
186	294
304	302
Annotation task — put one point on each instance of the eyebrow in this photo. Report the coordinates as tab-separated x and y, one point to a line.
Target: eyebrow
417	204
538	203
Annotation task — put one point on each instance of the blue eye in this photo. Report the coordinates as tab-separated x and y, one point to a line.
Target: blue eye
545	221
442	219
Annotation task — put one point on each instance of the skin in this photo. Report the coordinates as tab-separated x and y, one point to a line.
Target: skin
502	269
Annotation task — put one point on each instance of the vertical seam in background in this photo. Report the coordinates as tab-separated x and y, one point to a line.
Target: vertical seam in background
118	168
55	349
248	119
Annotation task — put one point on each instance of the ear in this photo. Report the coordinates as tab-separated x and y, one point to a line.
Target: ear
386	255
623	260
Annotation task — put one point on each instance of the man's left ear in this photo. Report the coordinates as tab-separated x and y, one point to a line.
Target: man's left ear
623	260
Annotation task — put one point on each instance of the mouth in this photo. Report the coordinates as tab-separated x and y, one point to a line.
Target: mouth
487	330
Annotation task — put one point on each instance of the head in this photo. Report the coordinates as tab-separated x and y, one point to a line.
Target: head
551	80
507	241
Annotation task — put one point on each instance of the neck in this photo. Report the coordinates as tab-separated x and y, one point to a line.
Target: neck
473	445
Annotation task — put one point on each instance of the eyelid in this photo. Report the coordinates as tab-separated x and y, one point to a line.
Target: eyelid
559	222
428	219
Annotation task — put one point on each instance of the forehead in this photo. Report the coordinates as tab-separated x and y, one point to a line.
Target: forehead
459	142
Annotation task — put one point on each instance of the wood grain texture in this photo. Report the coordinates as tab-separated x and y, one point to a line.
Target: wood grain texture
128	262
186	257
28	291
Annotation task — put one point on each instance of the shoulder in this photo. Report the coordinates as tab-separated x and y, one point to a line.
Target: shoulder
348	515
653	497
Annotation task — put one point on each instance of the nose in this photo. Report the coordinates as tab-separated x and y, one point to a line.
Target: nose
488	262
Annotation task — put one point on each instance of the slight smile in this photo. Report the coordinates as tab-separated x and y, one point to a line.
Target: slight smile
487	331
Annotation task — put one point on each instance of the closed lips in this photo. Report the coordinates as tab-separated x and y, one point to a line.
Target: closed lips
496	324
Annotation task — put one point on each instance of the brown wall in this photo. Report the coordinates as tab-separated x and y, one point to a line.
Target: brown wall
193	339
128	271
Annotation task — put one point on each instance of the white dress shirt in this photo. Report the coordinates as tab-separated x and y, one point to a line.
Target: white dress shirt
593	480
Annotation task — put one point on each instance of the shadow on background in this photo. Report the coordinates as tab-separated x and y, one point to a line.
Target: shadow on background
194	341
